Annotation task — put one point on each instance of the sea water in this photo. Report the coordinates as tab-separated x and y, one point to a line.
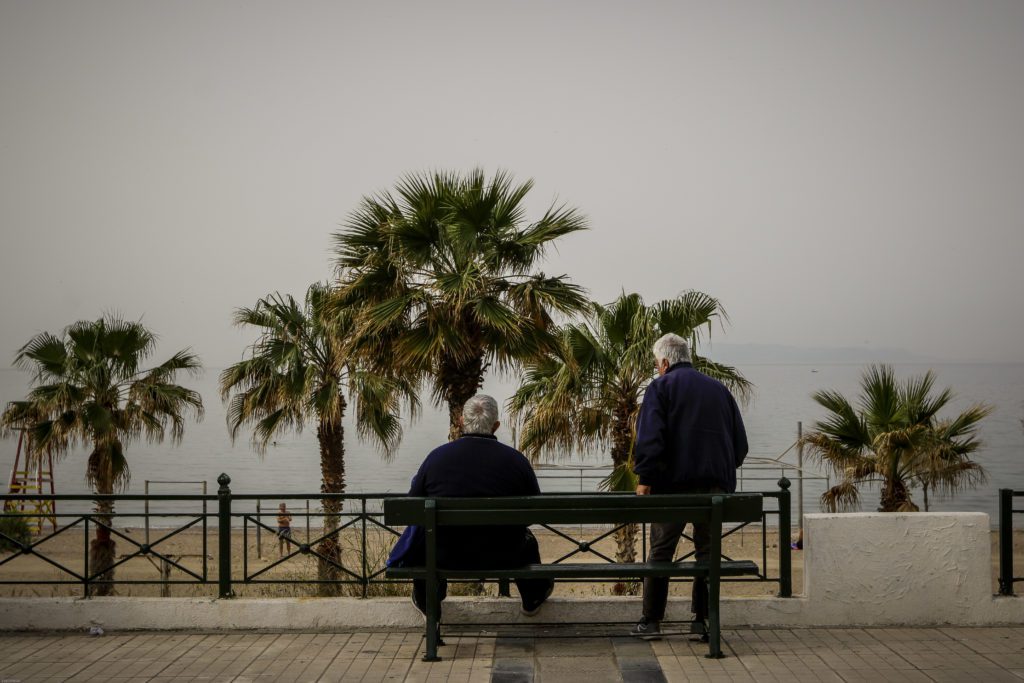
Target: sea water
782	399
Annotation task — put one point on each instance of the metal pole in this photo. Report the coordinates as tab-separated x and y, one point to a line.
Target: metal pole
224	535
800	480
307	521
259	546
85	561
165	576
785	552
147	511
366	567
205	528
1006	541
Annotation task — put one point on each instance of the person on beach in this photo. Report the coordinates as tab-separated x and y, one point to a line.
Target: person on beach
284	527
477	464
689	439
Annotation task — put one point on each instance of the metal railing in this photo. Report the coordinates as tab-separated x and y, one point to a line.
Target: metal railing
1006	513
360	514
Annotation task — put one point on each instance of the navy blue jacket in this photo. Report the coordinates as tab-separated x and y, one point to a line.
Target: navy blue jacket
689	433
476	465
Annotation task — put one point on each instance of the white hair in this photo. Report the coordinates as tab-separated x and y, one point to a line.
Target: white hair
479	415
673	348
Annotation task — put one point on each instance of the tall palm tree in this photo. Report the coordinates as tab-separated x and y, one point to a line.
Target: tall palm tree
444	273
299	370
90	387
587	393
895	435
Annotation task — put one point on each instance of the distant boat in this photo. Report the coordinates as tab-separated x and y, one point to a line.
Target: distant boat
813	370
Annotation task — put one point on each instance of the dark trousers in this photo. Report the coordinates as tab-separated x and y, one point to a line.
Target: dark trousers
531	591
664	539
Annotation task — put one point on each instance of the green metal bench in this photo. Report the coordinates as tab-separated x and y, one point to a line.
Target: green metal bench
715	509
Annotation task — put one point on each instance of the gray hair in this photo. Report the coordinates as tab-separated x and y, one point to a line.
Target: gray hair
673	348
479	415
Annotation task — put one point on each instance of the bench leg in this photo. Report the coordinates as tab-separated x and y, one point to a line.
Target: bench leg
714	622
433	620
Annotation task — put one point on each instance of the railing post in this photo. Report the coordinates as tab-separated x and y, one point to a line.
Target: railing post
1006	541
785	551
224	535
259	538
366	565
85	561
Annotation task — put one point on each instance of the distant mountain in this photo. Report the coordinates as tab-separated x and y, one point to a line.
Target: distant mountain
735	354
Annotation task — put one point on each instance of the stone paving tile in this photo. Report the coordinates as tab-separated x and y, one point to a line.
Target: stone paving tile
590	668
976	655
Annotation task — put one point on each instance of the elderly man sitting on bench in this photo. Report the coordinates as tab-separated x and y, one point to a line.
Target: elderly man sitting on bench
478	465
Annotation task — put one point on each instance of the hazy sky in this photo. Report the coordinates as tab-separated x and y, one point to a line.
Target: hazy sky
838	174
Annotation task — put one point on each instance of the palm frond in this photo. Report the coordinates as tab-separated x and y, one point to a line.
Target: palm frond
842	497
620	479
897	436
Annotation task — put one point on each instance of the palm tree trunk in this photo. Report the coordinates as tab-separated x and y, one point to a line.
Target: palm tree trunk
103	547
330	436
895	495
460	380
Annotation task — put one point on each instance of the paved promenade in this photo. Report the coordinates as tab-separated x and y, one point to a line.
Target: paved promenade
510	655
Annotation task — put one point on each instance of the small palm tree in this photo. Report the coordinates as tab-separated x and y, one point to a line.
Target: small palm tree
895	435
89	387
299	369
444	273
587	393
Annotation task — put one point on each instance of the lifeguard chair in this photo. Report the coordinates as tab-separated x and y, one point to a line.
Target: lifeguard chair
32	474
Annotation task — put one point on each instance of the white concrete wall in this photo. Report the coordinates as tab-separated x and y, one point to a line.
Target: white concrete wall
898	568
864	569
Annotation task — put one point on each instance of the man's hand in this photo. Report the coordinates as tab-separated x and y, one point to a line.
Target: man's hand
643	490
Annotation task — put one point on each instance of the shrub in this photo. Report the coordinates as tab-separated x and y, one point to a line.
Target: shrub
13	527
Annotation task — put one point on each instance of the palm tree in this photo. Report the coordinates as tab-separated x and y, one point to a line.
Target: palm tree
90	388
297	370
587	393
444	273
895	435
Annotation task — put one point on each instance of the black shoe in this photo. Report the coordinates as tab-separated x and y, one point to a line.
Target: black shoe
699	628
530	608
440	640
647	629
422	609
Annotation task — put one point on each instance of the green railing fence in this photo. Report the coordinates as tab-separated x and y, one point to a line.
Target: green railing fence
227	512
1006	513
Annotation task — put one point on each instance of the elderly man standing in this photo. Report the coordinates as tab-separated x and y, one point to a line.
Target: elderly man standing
477	464
690	439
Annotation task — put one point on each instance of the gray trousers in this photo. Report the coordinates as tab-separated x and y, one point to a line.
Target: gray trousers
664	539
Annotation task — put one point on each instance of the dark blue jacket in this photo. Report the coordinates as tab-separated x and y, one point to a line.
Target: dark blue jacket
689	433
476	465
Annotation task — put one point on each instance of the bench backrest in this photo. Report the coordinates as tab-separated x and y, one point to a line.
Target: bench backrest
572	509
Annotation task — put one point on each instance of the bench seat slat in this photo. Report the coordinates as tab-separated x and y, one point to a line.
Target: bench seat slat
585	509
592	570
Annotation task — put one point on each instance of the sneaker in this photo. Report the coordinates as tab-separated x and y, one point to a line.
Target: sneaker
530	609
648	630
698	627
